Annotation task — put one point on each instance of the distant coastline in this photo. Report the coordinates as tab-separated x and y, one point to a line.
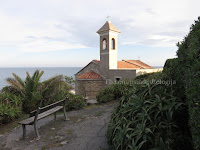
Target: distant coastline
48	72
157	66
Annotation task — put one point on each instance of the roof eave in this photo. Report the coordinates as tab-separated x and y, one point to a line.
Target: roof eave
91	79
104	31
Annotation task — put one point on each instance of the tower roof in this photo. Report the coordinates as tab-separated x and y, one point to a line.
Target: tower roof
108	26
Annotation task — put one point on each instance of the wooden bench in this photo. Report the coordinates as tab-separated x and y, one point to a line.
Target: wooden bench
42	113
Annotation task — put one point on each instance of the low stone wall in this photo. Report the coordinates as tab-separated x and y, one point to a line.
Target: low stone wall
143	71
89	88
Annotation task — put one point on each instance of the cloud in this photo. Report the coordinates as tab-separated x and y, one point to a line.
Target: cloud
39	38
40	45
59	25
77	21
160	41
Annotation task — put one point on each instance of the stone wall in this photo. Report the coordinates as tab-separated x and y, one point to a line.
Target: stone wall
89	88
124	74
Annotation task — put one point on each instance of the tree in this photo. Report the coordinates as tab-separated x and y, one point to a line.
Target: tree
28	89
53	89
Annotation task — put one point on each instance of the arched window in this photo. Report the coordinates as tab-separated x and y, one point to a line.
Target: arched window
113	43
104	44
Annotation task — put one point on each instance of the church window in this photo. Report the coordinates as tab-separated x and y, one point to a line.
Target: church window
104	44
113	43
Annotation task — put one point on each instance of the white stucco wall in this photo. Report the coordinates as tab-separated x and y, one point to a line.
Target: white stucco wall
143	71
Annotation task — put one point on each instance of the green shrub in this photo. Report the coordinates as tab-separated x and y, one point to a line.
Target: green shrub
173	71
35	93
118	89
75	102
105	95
188	78
114	91
27	89
11	90
52	90
144	119
70	81
10	107
121	87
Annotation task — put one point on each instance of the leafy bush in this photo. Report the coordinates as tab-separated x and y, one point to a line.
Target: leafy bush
114	91
121	87
173	71
27	89
52	90
29	94
187	74
75	102
70	81
11	90
144	119
105	95
10	107
36	93
118	89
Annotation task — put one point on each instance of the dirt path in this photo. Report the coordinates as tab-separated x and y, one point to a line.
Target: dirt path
85	130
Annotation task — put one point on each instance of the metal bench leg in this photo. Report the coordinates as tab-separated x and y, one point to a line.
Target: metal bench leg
65	115
55	116
24	130
36	130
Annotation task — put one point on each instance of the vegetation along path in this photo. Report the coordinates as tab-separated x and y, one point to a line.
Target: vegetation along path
86	130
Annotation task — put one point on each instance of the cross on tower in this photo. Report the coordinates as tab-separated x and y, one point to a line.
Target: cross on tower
108	18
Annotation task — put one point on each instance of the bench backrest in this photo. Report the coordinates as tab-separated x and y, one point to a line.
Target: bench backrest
48	107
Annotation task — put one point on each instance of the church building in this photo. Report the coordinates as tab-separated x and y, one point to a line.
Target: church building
99	73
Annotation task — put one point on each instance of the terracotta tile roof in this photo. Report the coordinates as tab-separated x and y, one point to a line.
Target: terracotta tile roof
90	75
126	65
97	61
138	63
108	26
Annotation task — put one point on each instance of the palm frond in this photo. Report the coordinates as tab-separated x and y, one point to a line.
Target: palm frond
19	80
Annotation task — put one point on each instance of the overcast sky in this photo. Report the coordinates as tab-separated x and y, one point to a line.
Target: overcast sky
49	33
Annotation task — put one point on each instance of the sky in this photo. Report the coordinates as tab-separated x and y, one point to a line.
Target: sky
62	33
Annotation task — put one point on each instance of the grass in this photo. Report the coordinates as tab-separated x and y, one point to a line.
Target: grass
100	105
4	128
3	145
48	146
99	113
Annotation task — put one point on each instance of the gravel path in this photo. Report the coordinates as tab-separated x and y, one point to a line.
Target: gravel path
85	130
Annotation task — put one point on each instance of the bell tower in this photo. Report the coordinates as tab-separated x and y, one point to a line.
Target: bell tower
108	46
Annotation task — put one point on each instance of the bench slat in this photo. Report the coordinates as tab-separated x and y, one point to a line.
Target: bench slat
45	108
42	115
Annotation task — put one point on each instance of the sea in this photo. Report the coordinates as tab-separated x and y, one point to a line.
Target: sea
48	73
